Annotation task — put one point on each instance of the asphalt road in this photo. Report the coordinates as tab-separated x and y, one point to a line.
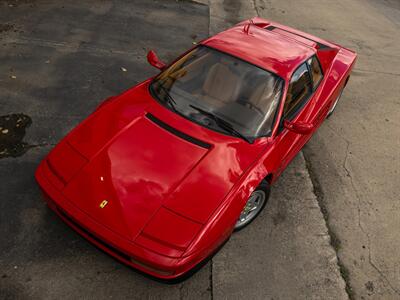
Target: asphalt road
57	63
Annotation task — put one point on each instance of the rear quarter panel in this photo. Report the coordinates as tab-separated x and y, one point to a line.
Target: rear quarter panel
314	111
336	78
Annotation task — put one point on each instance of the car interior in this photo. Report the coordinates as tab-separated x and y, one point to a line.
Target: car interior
301	86
241	93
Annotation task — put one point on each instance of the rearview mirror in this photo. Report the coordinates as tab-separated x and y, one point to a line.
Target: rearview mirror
154	60
298	127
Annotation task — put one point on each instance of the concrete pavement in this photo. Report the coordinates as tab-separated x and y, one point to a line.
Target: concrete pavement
286	253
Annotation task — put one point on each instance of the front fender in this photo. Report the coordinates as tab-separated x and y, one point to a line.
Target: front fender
221	223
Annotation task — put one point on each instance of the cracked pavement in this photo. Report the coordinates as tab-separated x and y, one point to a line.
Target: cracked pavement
332	221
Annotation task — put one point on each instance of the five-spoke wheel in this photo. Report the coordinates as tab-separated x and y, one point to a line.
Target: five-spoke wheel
254	206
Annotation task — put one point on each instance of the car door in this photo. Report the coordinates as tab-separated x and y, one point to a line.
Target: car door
301	89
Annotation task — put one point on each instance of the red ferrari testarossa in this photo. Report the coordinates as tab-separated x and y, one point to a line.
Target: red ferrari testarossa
161	175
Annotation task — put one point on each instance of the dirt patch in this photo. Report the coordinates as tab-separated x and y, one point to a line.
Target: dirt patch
6	27
12	132
369	286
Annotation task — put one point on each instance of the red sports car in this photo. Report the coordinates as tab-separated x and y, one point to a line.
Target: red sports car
161	175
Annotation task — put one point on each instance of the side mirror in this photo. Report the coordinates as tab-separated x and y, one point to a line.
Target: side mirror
298	127
154	60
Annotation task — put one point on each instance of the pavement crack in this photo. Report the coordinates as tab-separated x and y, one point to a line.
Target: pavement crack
376	268
256	8
334	239
336	133
379	271
359	202
335	242
348	174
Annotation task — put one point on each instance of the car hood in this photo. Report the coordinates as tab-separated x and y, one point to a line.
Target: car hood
145	180
135	173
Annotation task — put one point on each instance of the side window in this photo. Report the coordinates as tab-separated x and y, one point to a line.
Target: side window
316	72
300	89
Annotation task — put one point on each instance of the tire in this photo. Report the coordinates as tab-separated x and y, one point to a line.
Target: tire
335	104
259	197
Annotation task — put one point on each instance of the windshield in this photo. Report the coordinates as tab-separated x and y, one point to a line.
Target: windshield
207	86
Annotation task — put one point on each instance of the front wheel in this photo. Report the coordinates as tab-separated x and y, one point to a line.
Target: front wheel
254	206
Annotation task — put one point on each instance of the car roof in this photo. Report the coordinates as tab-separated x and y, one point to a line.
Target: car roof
269	50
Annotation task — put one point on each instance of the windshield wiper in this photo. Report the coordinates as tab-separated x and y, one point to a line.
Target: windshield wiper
168	98
222	123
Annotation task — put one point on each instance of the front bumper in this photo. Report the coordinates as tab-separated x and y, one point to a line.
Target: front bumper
128	252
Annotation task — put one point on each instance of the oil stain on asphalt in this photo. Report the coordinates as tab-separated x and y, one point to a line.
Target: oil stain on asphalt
6	27
12	132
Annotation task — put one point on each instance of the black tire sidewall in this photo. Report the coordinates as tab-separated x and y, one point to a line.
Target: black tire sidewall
265	187
338	99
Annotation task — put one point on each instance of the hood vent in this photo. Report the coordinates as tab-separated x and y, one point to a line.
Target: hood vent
178	133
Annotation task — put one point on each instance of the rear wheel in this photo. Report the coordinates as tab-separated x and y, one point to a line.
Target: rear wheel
254	206
335	104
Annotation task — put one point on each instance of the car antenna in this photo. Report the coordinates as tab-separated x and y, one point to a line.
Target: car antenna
246	27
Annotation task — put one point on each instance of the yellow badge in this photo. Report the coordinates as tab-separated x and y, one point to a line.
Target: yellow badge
103	203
